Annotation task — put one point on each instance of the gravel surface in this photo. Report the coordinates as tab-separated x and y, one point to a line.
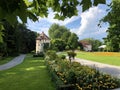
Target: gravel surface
105	68
17	60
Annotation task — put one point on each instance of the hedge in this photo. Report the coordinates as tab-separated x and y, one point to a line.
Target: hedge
74	76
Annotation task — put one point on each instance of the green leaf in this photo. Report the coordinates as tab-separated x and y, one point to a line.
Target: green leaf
23	16
27	2
32	16
96	2
1	33
11	18
56	16
2	13
86	4
22	12
36	5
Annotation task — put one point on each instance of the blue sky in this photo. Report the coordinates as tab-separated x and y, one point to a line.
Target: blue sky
84	25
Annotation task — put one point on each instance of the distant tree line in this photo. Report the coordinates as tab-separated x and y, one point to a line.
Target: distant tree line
17	39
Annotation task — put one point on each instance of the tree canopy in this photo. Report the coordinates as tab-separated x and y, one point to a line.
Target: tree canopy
57	31
113	18
17	40
62	37
11	9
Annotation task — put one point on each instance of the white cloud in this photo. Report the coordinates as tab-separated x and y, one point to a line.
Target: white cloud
88	27
45	30
44	23
89	22
38	26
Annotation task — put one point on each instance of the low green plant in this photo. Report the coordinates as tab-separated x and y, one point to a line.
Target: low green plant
78	48
51	55
62	57
71	55
41	54
67	47
32	52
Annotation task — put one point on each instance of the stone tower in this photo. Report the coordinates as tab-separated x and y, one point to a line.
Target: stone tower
40	40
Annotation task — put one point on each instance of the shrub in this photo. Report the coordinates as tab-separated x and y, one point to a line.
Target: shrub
62	57
78	48
41	54
51	55
32	52
71	54
67	47
75	76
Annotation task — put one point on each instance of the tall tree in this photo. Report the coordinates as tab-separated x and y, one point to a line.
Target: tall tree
26	39
57	32
60	34
113	18
10	39
66	35
73	41
17	39
58	44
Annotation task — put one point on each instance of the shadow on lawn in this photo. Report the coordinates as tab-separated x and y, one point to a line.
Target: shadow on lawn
28	65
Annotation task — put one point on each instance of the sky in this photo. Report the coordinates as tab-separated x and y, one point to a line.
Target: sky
85	25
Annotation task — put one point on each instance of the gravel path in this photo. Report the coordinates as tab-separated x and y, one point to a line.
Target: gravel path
14	62
105	68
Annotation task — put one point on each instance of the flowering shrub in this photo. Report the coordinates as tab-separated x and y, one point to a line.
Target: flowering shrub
41	54
51	55
74	76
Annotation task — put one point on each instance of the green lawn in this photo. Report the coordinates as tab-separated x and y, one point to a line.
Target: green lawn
5	60
30	75
103	57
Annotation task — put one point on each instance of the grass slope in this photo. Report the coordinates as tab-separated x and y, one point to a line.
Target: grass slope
5	60
102	57
30	75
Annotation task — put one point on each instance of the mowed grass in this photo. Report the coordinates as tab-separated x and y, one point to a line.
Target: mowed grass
5	60
30	75
112	58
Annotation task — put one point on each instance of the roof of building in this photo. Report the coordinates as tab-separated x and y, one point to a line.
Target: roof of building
102	46
85	43
42	36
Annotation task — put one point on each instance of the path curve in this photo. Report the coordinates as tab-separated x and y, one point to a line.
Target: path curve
105	68
17	60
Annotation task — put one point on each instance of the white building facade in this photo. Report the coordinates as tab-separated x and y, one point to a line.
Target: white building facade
87	47
40	41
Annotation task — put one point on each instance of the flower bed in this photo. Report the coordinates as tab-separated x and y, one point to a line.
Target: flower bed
73	76
106	54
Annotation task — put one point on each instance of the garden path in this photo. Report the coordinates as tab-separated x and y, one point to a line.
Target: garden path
105	68
17	60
